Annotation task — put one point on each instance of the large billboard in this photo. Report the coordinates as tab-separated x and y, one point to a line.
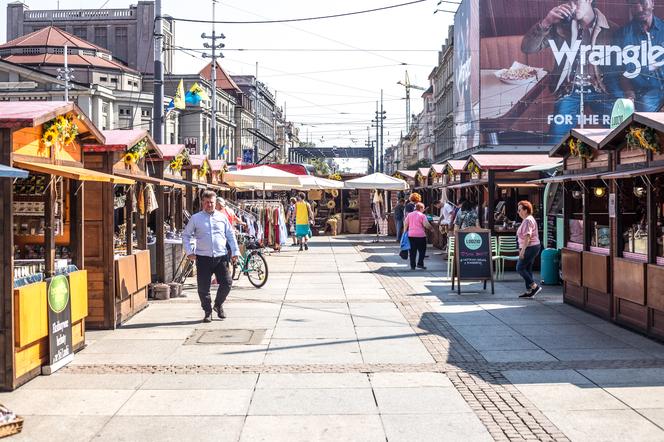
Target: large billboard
542	64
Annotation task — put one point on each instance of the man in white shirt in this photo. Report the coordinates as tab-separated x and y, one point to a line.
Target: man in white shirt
204	240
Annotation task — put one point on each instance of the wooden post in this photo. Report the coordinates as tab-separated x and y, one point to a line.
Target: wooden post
159	227
189	173
7	274
129	225
76	195
142	223
587	228
492	199
179	221
49	227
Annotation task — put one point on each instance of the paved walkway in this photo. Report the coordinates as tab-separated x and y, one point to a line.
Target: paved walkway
345	343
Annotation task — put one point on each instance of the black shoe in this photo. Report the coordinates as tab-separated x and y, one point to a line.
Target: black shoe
306	246
421	267
535	291
220	312
300	247
527	294
412	268
208	317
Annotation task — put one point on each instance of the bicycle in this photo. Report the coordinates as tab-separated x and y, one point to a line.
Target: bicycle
251	263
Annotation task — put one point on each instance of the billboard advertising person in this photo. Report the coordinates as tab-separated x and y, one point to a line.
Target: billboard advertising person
564	25
645	89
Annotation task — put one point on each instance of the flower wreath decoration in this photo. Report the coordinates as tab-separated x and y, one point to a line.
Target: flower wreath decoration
335	176
473	169
643	138
578	148
203	171
135	152
176	163
60	130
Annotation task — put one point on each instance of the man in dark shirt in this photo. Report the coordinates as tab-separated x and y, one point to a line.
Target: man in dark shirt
398	217
647	88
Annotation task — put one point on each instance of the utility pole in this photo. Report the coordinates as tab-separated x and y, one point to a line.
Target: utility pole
214	152
66	75
158	101
376	151
581	81
382	118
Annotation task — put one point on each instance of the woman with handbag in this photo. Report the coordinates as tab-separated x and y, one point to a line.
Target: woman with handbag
415	225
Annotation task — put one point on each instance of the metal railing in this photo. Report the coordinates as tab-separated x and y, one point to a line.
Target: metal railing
82	14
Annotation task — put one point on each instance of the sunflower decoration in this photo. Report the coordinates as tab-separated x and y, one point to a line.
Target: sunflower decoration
450	173
335	176
135	152
473	169
578	148
643	138
203	171
61	130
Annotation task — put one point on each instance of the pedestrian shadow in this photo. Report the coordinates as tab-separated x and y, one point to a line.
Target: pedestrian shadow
159	324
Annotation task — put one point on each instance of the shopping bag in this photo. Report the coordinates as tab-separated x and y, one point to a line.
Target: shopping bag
405	246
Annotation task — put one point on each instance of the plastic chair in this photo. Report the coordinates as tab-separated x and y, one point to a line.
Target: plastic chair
508	250
494	252
450	255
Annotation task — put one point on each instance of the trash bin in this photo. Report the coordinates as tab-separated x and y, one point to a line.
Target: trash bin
550	265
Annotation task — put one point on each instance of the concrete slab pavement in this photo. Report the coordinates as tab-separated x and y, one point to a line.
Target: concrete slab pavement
353	345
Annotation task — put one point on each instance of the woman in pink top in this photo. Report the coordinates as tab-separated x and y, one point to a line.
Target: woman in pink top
529	247
415	224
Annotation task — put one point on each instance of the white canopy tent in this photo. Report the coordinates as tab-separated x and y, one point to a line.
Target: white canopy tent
377	181
262	177
310	182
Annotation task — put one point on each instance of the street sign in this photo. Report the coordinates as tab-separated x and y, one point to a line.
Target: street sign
472	257
60	345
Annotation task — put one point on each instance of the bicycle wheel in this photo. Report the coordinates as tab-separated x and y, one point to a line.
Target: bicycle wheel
256	269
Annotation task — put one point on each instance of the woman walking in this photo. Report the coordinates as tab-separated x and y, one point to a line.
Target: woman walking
416	224
303	214
529	247
467	216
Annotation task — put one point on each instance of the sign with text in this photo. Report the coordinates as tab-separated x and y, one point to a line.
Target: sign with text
473	260
60	344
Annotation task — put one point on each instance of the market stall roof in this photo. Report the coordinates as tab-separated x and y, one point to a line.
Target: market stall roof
438	168
74	173
12	172
378	181
296	169
217	187
408	173
468	184
217	165
187	183
592	137
121	139
197	160
146	179
170	151
456	165
512	184
569	177
310	182
424	170
541	167
508	161
654	120
633	173
260	176
19	114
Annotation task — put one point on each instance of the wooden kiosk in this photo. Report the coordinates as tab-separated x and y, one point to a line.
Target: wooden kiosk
43	228
198	174
586	260
117	226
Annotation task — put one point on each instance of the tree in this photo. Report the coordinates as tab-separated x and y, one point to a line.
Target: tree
307	144
322	168
421	163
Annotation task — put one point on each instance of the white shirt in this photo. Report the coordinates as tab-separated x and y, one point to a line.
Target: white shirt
210	232
446	213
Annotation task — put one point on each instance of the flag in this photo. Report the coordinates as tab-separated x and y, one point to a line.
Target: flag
195	94
224	151
178	100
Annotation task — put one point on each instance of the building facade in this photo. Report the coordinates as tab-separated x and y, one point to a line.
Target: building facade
195	120
110	93
263	131
425	123
126	33
442	78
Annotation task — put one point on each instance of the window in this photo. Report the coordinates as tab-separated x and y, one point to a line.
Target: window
633	208
121	48
125	111
101	37
81	32
114	80
103	79
145	111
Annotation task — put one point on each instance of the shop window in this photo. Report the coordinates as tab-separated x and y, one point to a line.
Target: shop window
575	226
633	211
598	209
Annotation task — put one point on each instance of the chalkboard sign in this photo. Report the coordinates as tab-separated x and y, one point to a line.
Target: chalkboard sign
60	345
472	256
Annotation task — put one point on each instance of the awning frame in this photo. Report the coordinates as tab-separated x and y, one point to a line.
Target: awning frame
633	173
73	173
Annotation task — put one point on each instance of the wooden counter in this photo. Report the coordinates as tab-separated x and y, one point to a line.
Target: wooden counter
31	323
132	277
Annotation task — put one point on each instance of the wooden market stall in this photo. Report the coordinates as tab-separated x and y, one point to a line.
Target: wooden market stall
408	176
197	171
117	224
496	188
43	233
586	261
634	270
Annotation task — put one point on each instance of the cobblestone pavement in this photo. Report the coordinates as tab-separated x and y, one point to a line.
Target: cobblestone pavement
343	343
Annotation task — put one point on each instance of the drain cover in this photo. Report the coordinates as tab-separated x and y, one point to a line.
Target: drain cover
225	336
